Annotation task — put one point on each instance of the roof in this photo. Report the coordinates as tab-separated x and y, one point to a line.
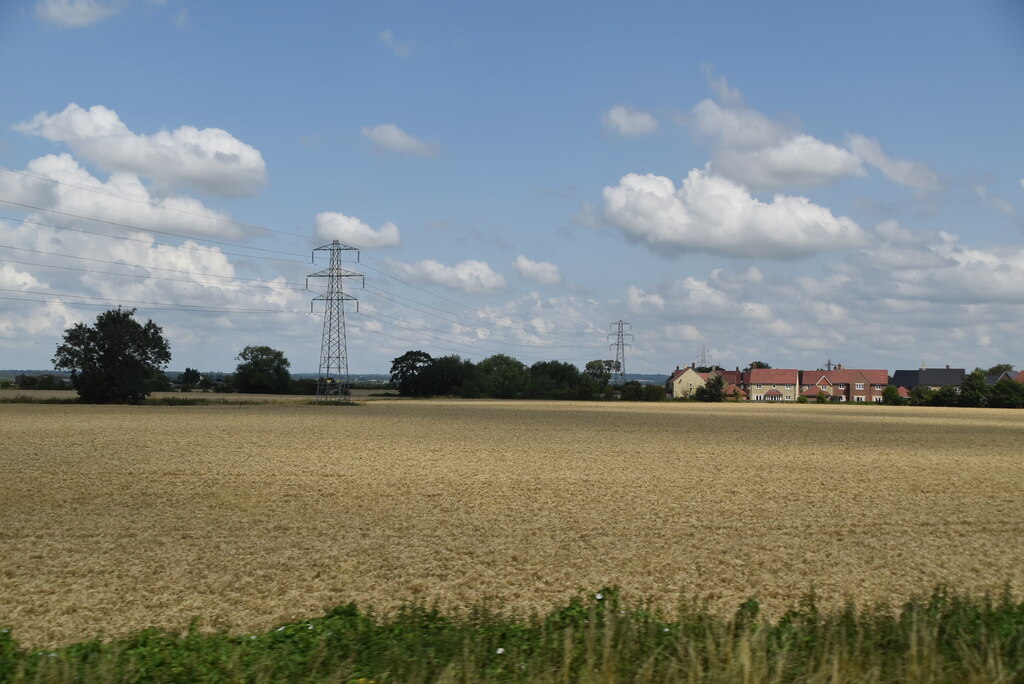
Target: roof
774	376
993	378
681	372
846	376
733	377
773	393
733	390
930	377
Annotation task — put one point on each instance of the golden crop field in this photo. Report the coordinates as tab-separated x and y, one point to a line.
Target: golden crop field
118	518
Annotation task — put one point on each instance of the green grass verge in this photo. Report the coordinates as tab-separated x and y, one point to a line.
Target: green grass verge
945	637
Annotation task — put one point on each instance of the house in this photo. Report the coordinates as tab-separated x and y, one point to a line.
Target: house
933	378
771	384
684	382
845	384
734	393
993	378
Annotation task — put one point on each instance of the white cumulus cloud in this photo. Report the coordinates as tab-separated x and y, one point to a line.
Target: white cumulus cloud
391	138
75	13
470	276
351	231
629	122
760	153
60	184
210	160
913	174
541	272
711	214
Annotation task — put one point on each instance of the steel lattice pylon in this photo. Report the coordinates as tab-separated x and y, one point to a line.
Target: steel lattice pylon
332	380
620	346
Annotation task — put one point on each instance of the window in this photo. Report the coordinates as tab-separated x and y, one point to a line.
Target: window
789	387
878	400
858	398
860	385
822	387
758	385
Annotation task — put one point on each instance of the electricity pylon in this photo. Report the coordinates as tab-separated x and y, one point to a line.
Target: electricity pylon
620	345
332	380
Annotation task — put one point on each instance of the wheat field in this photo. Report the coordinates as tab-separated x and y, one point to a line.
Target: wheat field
119	518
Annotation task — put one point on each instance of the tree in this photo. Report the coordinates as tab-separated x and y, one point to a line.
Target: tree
114	361
891	396
554	380
1000	368
446	375
974	391
1007	394
600	371
502	376
405	372
262	371
713	389
759	364
632	391
922	396
188	379
654	392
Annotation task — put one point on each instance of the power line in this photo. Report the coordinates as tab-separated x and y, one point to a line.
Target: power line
148	230
56	298
155	205
150	243
143	276
504	322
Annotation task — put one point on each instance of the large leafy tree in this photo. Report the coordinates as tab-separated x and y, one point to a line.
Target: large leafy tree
262	370
601	370
502	376
115	361
974	391
406	370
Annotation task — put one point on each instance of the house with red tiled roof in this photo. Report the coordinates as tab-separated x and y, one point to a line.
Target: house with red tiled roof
771	384
846	384
734	393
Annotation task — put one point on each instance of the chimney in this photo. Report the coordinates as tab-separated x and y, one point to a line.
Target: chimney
947	366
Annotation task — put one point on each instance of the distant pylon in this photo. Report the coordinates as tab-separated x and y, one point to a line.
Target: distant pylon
620	345
332	380
703	360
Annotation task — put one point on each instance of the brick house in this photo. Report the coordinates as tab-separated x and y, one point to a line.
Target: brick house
845	384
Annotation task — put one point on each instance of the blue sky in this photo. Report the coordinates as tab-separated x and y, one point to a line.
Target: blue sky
790	182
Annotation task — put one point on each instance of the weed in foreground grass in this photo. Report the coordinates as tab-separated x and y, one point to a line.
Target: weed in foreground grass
945	637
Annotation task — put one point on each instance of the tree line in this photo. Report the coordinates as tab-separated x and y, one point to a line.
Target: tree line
418	374
974	391
120	360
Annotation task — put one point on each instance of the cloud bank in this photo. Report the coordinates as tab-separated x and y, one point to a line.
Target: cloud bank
209	160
